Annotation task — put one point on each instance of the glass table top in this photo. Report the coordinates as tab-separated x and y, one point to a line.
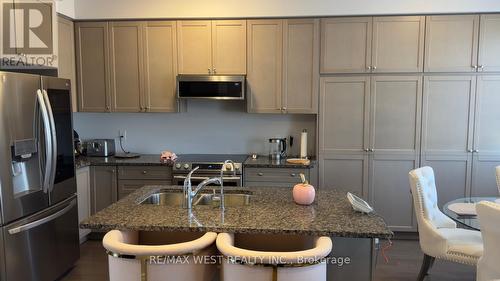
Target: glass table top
468	221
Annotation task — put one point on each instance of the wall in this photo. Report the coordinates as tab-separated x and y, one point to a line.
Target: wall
206	127
101	9
66	7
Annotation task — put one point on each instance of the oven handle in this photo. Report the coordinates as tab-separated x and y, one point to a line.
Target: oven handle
205	178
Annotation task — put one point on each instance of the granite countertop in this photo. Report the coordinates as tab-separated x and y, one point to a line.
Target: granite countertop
143	160
266	162
271	211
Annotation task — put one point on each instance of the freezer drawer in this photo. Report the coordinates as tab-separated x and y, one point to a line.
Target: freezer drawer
43	246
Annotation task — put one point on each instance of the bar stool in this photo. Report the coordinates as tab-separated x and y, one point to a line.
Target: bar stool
251	265
134	256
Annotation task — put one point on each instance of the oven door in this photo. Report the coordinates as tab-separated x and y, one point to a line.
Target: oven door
195	180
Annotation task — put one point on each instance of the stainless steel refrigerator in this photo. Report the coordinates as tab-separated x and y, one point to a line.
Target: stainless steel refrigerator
39	214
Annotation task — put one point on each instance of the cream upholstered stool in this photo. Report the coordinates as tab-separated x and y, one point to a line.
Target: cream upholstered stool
131	261
438	234
251	265
489	217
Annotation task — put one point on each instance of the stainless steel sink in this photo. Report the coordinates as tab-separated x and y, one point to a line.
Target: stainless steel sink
166	198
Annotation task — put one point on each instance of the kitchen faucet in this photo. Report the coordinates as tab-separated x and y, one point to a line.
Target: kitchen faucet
189	193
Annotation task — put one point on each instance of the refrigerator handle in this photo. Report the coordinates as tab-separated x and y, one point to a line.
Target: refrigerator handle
54	140
41	221
48	141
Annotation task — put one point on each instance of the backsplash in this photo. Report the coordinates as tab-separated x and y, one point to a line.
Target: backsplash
206	127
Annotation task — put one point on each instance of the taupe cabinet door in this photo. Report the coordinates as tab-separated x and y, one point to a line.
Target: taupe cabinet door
395	109
127	74
212	47
489	43
66	57
194	47
486	149
300	66
283	57
160	66
398	44
370	139
229	46
451	43
264	69
346	45
92	54
447	133
344	129
104	189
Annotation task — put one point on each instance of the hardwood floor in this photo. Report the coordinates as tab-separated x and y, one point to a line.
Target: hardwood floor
404	262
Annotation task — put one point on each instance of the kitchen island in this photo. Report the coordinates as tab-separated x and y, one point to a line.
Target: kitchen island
271	211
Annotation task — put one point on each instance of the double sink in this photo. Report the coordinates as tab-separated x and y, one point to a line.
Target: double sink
176	198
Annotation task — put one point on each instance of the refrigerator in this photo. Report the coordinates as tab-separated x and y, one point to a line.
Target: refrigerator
38	203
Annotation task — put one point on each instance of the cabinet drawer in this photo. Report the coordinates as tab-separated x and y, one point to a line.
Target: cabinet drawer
145	172
274	175
125	187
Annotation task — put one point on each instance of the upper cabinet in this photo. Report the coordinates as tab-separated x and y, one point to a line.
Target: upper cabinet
398	44
92	53
126	61
160	66
346	44
451	43
229	46
212	47
366	44
264	72
283	72
66	49
489	43
127	66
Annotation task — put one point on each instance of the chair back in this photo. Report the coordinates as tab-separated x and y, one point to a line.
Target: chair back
429	217
489	219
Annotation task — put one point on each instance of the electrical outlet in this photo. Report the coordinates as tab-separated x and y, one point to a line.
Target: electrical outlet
122	134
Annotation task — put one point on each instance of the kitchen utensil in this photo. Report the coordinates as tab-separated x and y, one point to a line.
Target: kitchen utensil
277	148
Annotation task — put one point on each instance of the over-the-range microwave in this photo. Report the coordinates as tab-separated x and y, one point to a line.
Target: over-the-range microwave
220	87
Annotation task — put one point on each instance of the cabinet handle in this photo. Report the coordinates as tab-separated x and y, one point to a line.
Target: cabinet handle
215	71
369	67
144	172
209	71
474	67
470	150
371	150
260	174
475	151
293	175
107	108
366	150
481	67
374	67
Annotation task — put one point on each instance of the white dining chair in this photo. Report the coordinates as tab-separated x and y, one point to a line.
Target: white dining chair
488	268
251	265
438	234
497	172
132	260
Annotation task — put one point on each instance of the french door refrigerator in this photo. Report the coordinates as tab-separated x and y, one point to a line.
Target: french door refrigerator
39	216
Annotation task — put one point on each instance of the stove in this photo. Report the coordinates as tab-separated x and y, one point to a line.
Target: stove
208	163
210	166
